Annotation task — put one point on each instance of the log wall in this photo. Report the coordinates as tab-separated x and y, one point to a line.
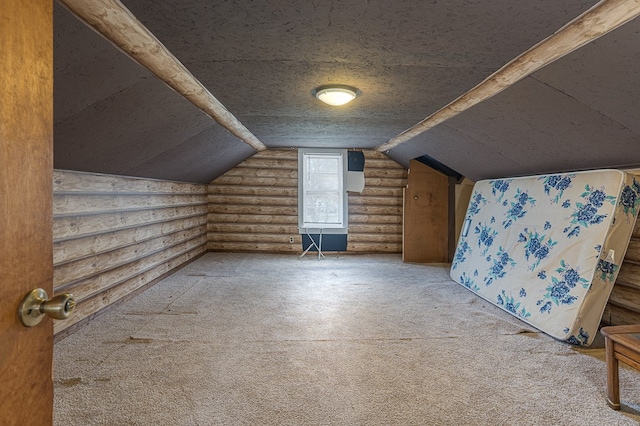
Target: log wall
624	304
113	235
254	207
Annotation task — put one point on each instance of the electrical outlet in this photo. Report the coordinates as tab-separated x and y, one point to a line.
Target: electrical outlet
291	240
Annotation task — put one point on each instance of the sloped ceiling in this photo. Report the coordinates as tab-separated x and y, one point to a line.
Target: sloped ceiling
262	59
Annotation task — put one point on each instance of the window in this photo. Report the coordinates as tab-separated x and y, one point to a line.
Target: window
322	200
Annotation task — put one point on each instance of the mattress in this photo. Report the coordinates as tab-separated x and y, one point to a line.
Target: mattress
548	249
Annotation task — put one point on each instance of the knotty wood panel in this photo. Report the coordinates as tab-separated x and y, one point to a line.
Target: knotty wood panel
624	304
626	297
633	251
113	235
426	215
629	274
617	315
254	207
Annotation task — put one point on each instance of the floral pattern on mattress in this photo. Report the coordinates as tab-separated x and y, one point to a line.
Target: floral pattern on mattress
547	249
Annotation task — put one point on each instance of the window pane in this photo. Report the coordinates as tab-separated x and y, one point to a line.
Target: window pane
323	165
323	183
322	207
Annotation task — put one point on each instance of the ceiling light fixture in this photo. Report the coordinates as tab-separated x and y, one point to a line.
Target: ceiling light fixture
336	94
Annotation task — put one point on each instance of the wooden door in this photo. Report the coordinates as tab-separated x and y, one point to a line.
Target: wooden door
426	222
26	136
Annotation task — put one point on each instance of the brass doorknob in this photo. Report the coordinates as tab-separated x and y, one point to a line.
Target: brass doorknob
36	305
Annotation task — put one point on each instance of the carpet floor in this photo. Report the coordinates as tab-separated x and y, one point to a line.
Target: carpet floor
257	339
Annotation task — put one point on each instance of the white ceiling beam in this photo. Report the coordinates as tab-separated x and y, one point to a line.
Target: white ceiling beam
112	20
605	16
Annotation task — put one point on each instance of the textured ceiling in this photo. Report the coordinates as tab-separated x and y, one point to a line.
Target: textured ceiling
578	113
262	59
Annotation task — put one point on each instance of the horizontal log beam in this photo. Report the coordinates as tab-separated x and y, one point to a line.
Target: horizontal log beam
373	191
89	307
626	297
262	218
256	181
269	163
112	20
355	200
617	315
605	16
77	204
263	172
225	237
254	247
253	228
384	182
377	219
99	283
73	182
374	238
629	275
71	250
633	251
72	227
375	248
386	173
249	200
375	229
292	191
381	162
278	153
376	210
99	263
259	191
252	210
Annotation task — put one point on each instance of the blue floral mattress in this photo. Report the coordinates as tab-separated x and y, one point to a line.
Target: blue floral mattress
548	248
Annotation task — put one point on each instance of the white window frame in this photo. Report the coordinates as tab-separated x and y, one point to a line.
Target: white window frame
340	226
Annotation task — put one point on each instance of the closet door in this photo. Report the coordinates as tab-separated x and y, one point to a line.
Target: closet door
426	223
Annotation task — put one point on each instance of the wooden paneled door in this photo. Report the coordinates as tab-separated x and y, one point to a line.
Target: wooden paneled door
426	222
26	138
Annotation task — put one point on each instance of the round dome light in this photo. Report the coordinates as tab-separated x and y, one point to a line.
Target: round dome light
336	94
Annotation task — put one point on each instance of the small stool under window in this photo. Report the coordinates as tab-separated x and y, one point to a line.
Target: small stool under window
318	245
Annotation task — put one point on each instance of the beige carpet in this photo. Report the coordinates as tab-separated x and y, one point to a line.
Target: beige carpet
248	339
